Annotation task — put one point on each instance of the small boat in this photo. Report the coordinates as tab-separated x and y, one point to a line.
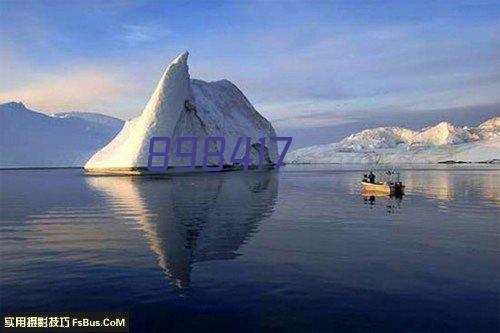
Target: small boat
389	187
385	188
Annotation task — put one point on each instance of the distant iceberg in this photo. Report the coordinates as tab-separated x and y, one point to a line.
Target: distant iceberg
181	107
30	139
442	143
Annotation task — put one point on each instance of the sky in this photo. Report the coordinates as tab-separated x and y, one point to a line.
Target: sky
303	64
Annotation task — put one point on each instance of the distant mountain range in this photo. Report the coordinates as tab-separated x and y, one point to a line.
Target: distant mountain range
356	121
92	117
32	139
435	144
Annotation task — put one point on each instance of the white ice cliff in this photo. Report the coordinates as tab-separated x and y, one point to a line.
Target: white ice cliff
181	107
385	145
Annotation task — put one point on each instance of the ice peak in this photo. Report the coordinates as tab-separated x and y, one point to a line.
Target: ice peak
441	134
489	129
178	67
442	126
492	123
445	124
181	58
173	86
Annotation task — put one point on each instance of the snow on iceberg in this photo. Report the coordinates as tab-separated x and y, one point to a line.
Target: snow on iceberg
391	145
181	107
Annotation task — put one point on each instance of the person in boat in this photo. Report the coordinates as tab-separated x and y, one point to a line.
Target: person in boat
371	177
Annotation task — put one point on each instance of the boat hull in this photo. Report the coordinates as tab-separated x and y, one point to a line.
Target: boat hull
378	188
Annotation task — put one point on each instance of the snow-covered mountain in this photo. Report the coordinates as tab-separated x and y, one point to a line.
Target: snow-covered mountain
440	143
180	107
487	130
33	139
92	117
377	138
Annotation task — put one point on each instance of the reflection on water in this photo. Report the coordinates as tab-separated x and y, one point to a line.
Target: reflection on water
392	202
447	185
434	185
194	218
311	254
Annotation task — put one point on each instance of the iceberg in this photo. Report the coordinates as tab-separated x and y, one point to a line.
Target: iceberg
442	143
185	107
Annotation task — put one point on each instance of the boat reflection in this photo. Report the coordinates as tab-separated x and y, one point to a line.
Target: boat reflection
392	202
194	218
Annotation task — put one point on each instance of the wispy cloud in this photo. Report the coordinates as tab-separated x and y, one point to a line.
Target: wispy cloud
143	33
83	89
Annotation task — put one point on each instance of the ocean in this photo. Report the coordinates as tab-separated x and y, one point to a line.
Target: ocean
296	250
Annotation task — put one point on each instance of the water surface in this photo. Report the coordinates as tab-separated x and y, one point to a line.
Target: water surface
297	250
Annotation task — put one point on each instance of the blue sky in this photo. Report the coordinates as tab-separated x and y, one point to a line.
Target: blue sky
301	63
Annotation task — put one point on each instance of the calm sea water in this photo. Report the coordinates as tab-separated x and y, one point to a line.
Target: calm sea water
298	250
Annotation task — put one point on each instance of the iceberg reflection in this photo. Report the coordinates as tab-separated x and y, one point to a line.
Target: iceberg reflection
193	218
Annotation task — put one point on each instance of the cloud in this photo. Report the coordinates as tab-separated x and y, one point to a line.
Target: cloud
311	120
83	89
142	33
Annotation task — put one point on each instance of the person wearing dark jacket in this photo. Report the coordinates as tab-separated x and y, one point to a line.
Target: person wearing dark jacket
371	177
